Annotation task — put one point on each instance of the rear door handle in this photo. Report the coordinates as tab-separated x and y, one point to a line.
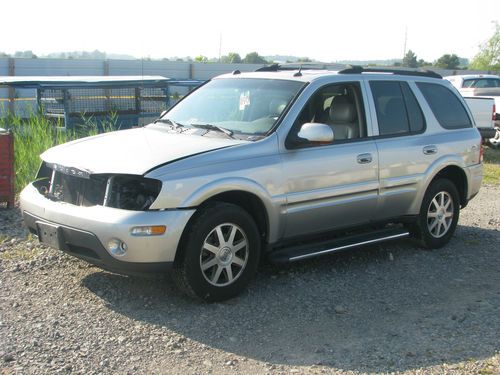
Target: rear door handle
430	150
365	158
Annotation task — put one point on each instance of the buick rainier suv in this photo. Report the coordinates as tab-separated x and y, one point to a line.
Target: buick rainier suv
283	163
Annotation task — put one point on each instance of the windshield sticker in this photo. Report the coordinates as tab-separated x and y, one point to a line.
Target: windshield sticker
244	100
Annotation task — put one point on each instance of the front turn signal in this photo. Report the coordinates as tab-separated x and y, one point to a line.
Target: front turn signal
148	230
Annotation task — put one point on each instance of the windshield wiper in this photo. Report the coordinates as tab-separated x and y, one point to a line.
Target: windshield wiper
217	128
175	125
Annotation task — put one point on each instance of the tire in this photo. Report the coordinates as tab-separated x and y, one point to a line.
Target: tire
495	141
439	214
220	253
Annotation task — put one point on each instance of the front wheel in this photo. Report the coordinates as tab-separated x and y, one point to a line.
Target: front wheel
220	253
439	214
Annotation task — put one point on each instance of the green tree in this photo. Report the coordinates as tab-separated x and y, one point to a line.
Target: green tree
488	57
448	61
410	59
201	59
254	58
231	58
304	59
25	54
422	63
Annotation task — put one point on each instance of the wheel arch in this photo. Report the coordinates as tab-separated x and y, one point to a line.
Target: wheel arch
458	177
249	201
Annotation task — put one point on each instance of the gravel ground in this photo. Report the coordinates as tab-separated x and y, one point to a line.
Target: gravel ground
383	309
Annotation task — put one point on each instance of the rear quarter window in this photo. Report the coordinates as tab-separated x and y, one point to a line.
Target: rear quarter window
445	105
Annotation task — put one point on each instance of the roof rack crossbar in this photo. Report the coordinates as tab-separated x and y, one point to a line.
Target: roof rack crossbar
357	69
292	66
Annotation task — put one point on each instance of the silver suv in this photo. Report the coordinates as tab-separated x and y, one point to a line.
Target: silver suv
289	164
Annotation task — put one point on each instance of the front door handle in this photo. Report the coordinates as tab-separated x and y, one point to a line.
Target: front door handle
364	158
430	150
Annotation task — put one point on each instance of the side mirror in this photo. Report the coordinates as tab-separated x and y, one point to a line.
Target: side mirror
316	132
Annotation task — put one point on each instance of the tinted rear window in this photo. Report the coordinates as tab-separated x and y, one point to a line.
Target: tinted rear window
445	105
397	109
415	116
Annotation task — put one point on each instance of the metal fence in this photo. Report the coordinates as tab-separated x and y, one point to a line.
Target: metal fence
21	101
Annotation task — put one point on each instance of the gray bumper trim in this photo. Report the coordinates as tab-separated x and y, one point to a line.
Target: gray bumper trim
85	245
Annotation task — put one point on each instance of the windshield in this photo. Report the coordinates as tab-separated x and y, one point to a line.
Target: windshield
245	107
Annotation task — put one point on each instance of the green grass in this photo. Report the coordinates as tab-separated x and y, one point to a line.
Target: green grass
34	135
491	165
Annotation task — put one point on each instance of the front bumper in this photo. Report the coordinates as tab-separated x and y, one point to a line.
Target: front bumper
87	230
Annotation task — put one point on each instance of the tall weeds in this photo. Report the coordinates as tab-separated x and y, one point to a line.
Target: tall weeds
34	135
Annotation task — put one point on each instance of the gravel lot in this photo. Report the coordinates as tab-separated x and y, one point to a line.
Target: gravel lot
387	308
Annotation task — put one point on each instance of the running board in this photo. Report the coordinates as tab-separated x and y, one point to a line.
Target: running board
305	251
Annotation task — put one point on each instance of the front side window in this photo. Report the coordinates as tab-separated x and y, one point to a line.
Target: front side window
246	107
398	111
339	106
445	105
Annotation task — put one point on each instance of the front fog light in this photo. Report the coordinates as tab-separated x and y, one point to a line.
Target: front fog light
117	247
148	230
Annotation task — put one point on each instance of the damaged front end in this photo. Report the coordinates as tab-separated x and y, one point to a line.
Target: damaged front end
81	188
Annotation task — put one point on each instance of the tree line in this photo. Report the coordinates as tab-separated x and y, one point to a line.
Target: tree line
488	57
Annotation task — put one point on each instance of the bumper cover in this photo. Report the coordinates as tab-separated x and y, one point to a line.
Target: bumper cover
92	227
475	178
86	246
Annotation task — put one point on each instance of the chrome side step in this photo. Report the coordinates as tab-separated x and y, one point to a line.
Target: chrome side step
305	251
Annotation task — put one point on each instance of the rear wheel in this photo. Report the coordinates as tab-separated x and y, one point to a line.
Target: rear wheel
220	253
439	214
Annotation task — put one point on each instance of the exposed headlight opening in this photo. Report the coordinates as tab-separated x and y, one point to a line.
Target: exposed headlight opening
127	192
131	192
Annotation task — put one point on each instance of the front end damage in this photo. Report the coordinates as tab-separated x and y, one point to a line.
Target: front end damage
104	219
128	192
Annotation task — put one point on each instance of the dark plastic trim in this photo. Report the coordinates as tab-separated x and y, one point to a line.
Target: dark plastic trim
357	69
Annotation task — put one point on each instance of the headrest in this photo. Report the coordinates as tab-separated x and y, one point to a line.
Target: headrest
276	106
342	110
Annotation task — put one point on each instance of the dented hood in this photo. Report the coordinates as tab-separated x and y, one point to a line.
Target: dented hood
132	151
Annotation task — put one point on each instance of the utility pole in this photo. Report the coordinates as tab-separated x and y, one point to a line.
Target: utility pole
406	38
220	46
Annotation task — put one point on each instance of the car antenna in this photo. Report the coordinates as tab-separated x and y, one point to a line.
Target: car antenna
299	73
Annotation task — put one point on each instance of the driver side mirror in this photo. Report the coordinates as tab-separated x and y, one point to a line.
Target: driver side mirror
316	132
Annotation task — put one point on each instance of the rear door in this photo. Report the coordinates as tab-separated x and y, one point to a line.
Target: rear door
405	152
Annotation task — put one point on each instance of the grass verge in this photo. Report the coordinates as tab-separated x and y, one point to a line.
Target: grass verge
491	166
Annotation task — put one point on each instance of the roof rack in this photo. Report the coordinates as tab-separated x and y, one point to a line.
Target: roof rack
293	66
357	69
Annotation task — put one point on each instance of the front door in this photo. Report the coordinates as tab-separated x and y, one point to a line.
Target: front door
334	185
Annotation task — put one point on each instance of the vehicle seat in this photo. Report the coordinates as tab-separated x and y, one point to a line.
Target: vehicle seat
342	119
